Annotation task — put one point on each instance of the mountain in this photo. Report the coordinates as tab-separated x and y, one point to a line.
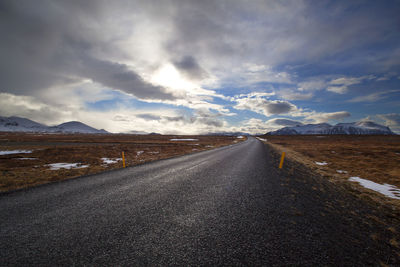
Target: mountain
16	124
229	133
136	132
75	127
358	128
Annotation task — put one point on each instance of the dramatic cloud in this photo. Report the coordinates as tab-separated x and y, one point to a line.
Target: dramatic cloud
54	43
199	61
189	66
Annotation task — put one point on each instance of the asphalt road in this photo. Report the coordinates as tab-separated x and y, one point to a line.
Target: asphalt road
228	206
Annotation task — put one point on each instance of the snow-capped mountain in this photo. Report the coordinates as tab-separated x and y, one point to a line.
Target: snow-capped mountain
16	124
359	128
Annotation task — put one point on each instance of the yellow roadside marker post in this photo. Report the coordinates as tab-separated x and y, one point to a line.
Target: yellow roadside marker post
123	159
282	159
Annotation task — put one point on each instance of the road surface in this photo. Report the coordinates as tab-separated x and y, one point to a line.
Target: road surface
227	206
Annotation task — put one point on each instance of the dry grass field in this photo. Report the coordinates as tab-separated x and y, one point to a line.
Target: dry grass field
90	154
375	158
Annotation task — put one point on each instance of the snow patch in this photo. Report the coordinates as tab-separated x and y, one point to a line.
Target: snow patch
208	146
340	171
385	189
261	139
321	163
240	137
187	139
139	153
110	161
27	158
61	165
8	152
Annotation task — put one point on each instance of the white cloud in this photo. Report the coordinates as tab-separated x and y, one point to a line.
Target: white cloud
253	126
341	85
290	94
257	103
373	97
392	120
312	85
122	118
319	117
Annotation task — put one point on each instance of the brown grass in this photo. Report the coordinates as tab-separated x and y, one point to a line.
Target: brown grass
376	158
87	149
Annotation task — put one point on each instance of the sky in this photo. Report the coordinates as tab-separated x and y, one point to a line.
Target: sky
200	66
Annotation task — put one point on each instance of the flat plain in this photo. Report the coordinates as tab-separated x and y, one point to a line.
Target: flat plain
339	157
31	159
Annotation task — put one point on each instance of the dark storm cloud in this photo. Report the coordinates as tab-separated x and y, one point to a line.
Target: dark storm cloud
118	76
191	68
282	32
47	43
277	107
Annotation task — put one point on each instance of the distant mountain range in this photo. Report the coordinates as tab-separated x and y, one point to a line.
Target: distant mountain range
357	128
16	124
229	133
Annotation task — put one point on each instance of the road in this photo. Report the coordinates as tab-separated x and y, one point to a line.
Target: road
227	206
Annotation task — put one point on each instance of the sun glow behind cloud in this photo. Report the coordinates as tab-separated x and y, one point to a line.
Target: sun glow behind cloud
168	76
248	64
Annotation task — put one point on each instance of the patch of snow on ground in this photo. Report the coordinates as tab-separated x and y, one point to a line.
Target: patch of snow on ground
261	139
340	171
209	146
110	161
240	137
57	166
321	163
385	189
8	152
27	158
187	139
139	153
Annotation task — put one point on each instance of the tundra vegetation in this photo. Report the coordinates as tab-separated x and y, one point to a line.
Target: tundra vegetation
31	159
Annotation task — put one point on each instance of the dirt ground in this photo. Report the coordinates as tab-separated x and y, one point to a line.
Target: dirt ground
22	170
375	158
